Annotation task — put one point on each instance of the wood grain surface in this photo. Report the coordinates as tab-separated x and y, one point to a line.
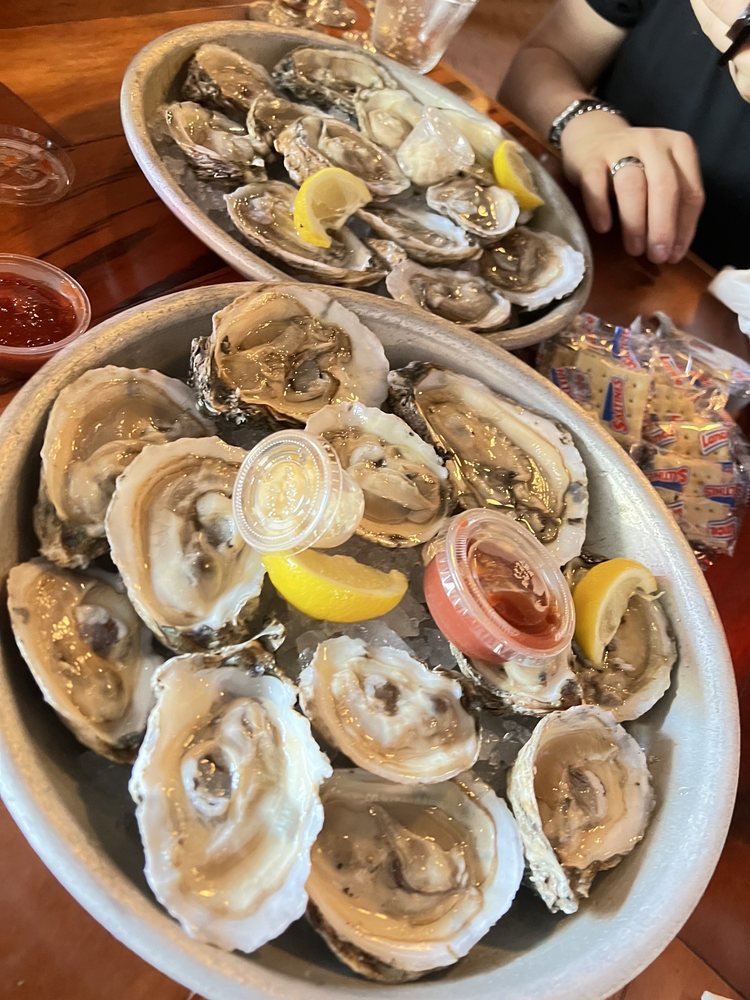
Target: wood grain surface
62	65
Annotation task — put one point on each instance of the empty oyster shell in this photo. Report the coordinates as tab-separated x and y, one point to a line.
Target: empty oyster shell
459	296
499	454
285	351
389	713
311	143
330	77
434	150
97	425
216	146
426	236
405	484
531	268
386	116
264	213
88	650
226	791
406	879
223	79
486	211
189	574
581	794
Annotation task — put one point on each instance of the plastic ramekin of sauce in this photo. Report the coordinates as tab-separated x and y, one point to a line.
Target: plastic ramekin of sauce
495	592
42	310
292	493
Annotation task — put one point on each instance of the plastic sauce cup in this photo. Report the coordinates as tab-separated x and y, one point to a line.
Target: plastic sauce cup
292	493
496	593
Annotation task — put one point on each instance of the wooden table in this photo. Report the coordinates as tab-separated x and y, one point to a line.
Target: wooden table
62	65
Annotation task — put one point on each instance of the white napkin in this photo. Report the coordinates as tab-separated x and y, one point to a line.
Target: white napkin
732	287
712	996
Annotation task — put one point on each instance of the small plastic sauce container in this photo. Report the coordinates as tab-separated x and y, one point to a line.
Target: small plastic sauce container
496	593
292	493
42	310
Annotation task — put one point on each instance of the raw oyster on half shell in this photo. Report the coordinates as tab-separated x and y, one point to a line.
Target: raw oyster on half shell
532	269
405	484
330	77
88	650
406	879
388	712
217	147
226	791
172	536
285	351
499	454
426	236
223	79
486	211
269	115
581	794
528	690
263	212
458	296
97	425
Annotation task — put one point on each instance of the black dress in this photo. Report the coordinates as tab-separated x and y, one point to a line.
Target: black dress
665	75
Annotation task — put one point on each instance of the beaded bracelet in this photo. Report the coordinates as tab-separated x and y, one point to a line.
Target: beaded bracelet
574	110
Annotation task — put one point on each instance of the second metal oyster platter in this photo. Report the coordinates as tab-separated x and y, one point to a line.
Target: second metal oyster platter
205	111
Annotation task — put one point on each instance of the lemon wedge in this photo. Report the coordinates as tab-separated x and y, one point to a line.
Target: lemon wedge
325	201
601	599
334	588
511	173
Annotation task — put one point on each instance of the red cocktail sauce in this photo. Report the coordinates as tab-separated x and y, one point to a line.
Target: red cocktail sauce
530	612
33	314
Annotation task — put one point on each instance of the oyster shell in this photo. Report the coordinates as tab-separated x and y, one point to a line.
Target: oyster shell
269	115
406	879
216	146
388	712
386	116
224	79
311	143
285	351
581	794
88	650
499	454
532	269
459	296
330	77
527	690
426	236
264	213
189	574
405	484
97	425
226	791
434	150
485	211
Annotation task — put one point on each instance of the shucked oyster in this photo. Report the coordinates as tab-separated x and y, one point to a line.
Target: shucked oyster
458	296
311	143
388	712
172	535
406	879
499	454
223	79
581	794
88	650
405	484
426	236
330	77
226	791
528	690
269	115
216	146
286	351
97	425
531	268
485	211
264	213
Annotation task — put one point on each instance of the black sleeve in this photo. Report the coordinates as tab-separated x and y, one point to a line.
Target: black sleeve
623	13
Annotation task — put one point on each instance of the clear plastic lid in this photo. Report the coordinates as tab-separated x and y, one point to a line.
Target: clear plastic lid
33	169
291	494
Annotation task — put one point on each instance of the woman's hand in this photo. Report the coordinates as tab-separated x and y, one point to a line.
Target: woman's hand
716	18
658	204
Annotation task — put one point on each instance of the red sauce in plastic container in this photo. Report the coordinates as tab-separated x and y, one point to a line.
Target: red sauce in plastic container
495	592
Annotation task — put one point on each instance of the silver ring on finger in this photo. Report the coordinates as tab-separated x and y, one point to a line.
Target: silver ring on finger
626	161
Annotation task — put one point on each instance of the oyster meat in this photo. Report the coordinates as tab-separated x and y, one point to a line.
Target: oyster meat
426	236
459	296
172	536
388	712
216	146
269	115
405	484
386	116
499	454
434	150
528	690
88	650
486	211
223	79
286	351
330	77
581	794
532	269
406	879
97	425
263	212
226	791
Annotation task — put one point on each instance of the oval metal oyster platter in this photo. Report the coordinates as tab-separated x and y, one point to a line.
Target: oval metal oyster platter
154	78
74	807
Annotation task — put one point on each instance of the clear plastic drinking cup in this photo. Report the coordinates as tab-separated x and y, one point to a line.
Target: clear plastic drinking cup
416	33
292	493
